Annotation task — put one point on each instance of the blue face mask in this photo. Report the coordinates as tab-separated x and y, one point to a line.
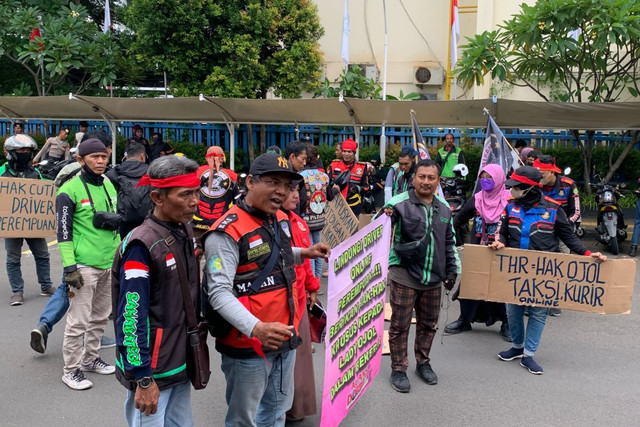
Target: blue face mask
487	184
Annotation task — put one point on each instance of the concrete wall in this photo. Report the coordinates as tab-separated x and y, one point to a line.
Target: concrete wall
418	36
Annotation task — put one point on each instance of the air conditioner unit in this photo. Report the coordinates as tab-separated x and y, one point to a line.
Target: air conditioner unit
428	76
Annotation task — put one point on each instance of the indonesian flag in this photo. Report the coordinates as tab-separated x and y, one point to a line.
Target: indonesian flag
135	270
255	241
106	25
344	50
170	260
85	203
455	33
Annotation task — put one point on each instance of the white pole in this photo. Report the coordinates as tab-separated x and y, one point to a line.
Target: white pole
232	145
383	136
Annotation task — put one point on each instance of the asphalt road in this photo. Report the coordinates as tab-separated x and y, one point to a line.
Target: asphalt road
591	377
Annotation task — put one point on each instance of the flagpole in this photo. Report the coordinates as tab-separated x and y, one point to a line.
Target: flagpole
383	136
448	86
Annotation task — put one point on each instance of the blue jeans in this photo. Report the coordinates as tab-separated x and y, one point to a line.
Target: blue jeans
535	326
174	408
259	392
635	237
56	307
40	252
316	264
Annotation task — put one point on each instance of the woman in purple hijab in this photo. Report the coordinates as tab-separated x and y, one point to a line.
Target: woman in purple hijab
484	208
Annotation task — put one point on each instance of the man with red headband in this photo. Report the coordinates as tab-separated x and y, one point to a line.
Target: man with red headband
563	190
349	177
149	309
87	239
218	190
526	224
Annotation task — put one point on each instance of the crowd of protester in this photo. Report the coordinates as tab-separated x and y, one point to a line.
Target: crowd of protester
153	240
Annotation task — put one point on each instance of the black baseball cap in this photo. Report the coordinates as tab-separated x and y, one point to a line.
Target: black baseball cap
272	163
524	175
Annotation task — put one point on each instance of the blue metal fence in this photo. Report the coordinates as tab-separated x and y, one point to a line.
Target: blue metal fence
218	134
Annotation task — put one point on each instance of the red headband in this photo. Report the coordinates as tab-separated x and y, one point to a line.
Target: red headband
524	180
546	166
189	180
215	155
350	144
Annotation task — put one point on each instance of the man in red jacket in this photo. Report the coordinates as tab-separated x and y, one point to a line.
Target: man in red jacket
349	177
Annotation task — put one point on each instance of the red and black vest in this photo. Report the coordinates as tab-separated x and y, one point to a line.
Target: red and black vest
276	300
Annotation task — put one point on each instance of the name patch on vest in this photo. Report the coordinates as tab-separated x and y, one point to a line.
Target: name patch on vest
258	250
228	220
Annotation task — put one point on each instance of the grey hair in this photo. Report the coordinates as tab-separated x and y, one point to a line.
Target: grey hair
168	166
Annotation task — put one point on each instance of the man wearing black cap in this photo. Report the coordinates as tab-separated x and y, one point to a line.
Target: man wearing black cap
256	293
88	238
525	224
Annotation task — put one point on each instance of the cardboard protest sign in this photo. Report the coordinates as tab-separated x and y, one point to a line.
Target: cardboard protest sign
364	220
355	318
547	279
27	208
340	222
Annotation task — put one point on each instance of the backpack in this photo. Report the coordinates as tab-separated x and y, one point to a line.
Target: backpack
134	203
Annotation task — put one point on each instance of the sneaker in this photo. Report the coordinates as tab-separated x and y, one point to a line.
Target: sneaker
427	375
106	342
531	365
39	338
555	312
400	382
512	353
460	325
48	292
98	366
16	298
76	380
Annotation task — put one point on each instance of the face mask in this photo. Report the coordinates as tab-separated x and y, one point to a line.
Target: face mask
517	193
22	162
487	184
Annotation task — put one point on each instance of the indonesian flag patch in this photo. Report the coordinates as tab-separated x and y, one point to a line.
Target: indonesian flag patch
255	241
85	203
170	260
135	270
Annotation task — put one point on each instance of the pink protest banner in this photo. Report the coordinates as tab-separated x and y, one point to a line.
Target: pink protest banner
355	318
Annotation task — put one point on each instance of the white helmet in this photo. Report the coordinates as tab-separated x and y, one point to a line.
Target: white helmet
462	169
15	142
18	141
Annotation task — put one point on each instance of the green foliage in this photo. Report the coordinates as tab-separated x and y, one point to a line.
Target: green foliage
351	84
402	97
230	48
539	48
72	53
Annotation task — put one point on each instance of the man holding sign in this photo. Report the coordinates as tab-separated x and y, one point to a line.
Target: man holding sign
19	150
532	221
422	258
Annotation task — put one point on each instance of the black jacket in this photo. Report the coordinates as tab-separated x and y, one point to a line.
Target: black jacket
439	260
134	202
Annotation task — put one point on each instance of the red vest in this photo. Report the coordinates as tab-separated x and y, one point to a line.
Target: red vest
276	301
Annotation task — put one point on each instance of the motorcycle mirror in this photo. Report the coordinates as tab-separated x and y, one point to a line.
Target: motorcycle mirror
44	163
567	170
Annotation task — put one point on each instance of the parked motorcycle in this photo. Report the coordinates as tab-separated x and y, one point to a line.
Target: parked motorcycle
611	228
453	190
454	194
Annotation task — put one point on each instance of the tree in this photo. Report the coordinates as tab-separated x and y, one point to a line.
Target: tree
70	54
563	50
230	48
351	84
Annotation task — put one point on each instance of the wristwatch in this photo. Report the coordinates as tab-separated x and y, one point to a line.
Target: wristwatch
145	382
